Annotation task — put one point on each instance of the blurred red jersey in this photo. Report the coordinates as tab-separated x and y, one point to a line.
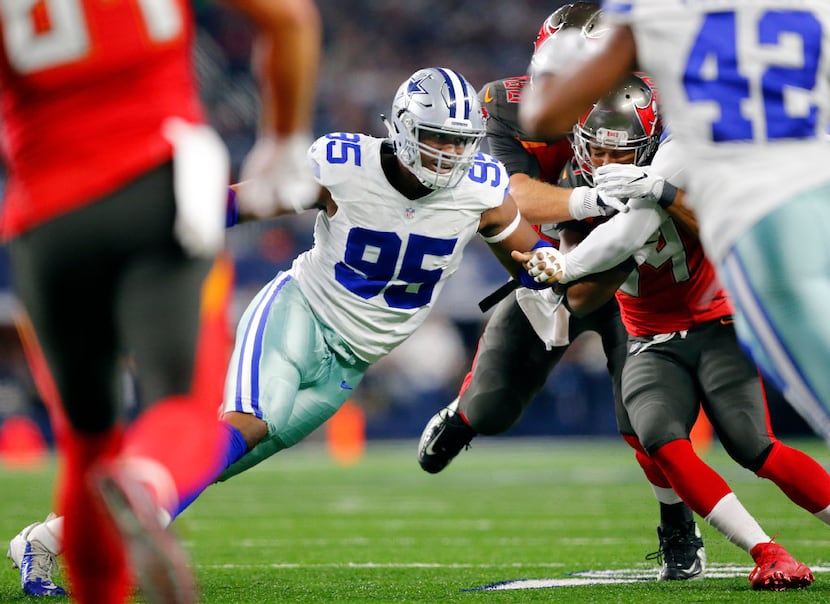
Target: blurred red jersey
85	87
674	289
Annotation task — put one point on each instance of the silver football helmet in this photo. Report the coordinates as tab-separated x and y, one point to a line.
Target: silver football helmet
561	39
626	118
436	105
575	14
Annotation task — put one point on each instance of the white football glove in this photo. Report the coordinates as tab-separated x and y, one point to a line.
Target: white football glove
584	202
547	265
201	170
277	177
628	181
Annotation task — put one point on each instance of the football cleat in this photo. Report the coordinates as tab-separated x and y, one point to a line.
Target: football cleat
776	570
681	553
443	438
36	564
159	564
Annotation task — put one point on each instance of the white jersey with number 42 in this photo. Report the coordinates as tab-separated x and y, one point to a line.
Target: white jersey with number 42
378	264
745	85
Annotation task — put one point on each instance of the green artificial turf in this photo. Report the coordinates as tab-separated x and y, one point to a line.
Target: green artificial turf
300	528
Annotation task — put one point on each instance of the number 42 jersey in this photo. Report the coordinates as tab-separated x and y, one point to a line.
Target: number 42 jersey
745	85
379	263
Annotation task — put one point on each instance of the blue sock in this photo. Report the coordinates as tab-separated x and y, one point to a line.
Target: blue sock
235	448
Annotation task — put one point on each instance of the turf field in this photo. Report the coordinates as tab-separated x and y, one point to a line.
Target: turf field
568	513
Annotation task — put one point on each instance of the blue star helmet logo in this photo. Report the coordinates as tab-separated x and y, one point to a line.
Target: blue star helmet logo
416	87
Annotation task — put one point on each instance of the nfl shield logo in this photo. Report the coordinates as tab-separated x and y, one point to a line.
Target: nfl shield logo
410	212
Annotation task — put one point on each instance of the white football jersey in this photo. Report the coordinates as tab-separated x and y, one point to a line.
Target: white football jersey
379	263
745	87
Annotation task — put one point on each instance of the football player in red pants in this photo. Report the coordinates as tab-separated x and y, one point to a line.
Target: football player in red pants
513	361
682	348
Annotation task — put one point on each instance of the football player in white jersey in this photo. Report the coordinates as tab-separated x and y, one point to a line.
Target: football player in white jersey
746	89
394	218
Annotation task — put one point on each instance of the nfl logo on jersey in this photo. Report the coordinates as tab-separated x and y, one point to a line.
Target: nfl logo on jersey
410	212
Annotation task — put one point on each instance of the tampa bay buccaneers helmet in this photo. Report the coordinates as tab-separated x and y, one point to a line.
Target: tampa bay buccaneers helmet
561	39
627	118
436	103
575	14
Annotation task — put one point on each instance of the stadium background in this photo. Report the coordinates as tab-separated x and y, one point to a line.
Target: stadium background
370	46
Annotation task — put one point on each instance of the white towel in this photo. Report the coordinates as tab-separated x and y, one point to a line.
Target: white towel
547	315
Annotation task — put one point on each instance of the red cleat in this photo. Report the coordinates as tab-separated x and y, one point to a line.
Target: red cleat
159	564
776	570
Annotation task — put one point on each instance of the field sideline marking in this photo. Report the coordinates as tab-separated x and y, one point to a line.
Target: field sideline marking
618	576
572	579
378	565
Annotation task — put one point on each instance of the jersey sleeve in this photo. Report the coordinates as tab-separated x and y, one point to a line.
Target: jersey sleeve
669	163
618	12
614	241
329	168
489	179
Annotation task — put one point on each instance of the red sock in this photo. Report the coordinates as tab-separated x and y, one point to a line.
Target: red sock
94	553
183	435
800	476
696	483
652	471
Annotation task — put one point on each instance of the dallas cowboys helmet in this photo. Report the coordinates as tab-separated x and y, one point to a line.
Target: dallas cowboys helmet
439	105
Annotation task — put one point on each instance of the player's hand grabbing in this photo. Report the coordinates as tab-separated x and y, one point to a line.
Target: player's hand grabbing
277	177
627	181
585	202
544	265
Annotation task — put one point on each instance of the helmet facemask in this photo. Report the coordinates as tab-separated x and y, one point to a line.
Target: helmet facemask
440	106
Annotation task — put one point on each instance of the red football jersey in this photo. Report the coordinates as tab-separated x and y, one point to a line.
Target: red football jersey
85	86
674	288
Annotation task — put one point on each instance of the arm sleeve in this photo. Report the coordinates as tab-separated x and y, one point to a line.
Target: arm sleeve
614	241
669	163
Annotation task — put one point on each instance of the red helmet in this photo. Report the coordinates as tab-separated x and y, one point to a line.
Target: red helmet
575	14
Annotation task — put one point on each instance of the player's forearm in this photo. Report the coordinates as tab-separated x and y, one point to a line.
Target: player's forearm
540	202
612	242
588	296
286	61
552	107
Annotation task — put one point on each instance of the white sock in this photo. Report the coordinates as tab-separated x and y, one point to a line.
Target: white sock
50	534
730	517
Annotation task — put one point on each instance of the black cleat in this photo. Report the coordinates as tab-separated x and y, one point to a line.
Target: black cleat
681	553
443	438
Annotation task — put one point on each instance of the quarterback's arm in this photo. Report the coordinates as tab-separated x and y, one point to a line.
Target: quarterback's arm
553	104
